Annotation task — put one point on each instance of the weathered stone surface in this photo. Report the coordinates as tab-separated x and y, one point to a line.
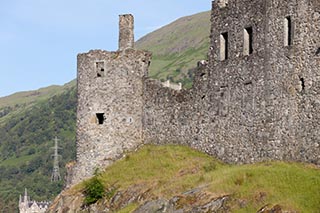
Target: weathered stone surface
110	85
195	201
254	107
126	35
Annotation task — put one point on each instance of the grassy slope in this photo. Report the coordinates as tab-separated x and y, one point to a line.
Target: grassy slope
178	47
172	170
17	103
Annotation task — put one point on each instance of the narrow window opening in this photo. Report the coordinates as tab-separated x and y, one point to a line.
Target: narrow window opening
224	46
100	69
100	118
248	41
318	51
288	31
302	84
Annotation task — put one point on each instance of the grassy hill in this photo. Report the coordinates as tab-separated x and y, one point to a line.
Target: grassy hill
178	47
30	120
185	179
19	102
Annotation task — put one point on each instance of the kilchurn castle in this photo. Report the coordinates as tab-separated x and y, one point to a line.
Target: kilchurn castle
256	98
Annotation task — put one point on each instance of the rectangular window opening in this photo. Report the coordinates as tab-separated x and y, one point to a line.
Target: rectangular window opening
100	118
224	46
100	69
287	31
248	41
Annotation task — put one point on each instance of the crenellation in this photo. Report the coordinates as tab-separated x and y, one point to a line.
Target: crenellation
255	99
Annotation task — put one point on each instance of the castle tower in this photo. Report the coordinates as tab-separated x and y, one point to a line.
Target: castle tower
110	103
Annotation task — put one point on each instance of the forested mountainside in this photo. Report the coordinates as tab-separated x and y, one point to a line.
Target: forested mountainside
26	148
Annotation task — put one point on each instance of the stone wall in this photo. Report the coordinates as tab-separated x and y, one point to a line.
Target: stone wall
248	107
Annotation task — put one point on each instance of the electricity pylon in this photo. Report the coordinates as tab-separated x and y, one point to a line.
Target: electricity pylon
56	172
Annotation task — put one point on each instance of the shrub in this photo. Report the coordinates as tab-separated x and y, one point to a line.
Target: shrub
94	191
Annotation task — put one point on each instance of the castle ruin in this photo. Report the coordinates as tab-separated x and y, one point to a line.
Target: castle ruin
257	97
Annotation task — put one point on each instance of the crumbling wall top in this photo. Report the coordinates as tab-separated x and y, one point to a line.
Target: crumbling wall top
126	34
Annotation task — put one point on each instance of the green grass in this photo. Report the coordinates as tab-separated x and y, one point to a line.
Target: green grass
171	170
17	161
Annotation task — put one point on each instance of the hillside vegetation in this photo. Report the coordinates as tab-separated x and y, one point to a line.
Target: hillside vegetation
26	148
18	103
177	47
191	180
30	120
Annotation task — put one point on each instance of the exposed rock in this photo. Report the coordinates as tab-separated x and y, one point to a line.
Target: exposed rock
274	209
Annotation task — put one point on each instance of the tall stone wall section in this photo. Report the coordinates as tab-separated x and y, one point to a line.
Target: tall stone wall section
248	107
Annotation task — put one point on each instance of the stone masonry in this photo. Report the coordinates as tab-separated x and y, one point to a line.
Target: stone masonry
257	97
110	103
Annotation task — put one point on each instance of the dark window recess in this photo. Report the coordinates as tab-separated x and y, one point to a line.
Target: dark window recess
100	69
248	41
248	83
224	46
318	51
302	84
288	31
100	118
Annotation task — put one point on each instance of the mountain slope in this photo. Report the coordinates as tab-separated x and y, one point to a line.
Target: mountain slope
26	141
178	47
13	105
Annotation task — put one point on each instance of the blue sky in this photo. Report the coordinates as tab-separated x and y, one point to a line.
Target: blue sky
39	39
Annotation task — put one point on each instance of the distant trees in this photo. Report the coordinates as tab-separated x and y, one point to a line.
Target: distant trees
25	148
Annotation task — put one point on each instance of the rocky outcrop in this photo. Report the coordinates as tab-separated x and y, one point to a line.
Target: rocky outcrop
196	200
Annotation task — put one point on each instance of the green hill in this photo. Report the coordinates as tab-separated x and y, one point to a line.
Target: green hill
182	179
178	47
13	105
26	148
29	121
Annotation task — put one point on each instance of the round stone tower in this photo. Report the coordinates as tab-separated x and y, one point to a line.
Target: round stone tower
110	103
